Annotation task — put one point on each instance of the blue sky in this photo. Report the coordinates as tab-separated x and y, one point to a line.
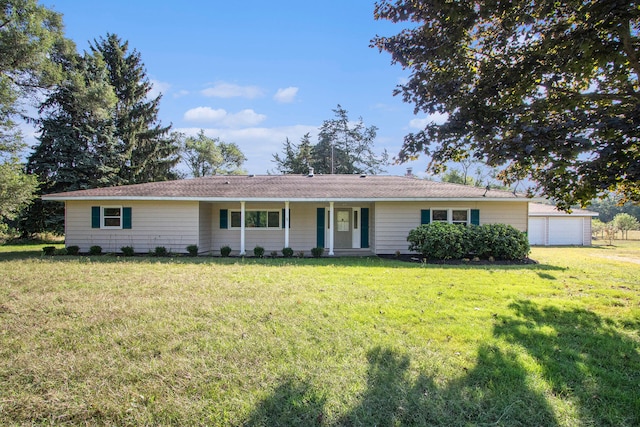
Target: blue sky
256	72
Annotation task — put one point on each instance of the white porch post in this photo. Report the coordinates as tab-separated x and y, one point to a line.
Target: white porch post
242	249
286	224
331	229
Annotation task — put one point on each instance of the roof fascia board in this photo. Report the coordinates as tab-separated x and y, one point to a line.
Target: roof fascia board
285	199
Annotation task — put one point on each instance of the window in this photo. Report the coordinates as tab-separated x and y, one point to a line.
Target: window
440	215
452	216
111	217
460	217
256	219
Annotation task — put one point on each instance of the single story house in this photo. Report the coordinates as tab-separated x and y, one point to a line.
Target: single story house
550	226
345	214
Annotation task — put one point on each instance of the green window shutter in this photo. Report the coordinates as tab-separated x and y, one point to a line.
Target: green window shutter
364	227
475	216
320	228
224	219
283	219
126	218
425	216
95	216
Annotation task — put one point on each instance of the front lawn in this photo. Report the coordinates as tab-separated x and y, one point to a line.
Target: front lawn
211	341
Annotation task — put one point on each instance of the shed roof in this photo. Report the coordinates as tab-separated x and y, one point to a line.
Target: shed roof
539	209
293	188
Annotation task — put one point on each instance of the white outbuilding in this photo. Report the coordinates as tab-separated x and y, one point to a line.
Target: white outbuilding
549	226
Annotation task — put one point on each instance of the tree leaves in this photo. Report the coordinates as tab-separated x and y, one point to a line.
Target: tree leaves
549	87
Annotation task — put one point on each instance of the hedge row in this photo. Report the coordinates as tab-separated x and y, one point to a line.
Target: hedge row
442	241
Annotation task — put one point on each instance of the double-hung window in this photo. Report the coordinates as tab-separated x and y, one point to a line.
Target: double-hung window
111	217
452	216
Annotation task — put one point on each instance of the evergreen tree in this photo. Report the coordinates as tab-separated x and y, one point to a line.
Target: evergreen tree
149	151
343	148
296	159
77	148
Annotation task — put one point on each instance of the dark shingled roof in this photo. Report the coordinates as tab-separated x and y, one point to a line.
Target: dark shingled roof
291	187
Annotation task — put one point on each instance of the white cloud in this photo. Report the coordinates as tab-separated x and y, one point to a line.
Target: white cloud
181	93
204	114
224	118
230	90
157	88
437	118
286	95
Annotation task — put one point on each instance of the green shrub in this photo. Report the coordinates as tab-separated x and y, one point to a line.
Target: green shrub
450	241
95	250
225	251
438	240
49	250
287	252
301	254
127	250
73	250
258	251
317	252
61	252
500	241
160	251
193	250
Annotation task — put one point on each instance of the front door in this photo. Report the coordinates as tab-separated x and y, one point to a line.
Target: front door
343	235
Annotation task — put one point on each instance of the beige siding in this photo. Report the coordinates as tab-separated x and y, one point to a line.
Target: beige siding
302	234
394	220
205	227
173	225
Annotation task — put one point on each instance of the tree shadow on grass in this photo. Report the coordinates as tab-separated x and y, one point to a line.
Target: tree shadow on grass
292	403
584	357
494	392
585	361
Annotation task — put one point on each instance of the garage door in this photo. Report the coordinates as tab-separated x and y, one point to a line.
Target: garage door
537	231
565	231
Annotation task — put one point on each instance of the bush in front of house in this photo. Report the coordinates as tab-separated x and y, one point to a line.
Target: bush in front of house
439	240
160	251
127	250
193	250
287	252
95	250
442	241
225	251
500	241
258	251
73	250
49	250
317	252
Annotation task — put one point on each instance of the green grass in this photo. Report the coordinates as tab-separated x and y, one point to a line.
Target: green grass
223	341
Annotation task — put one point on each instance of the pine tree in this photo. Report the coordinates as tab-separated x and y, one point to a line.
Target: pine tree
77	140
149	150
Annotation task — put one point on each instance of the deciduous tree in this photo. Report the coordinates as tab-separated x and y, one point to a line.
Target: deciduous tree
543	88
210	156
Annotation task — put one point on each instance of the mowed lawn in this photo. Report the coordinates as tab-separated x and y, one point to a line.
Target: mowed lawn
354	342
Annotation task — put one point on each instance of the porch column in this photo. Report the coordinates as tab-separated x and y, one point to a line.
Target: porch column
331	229
242	250
286	224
